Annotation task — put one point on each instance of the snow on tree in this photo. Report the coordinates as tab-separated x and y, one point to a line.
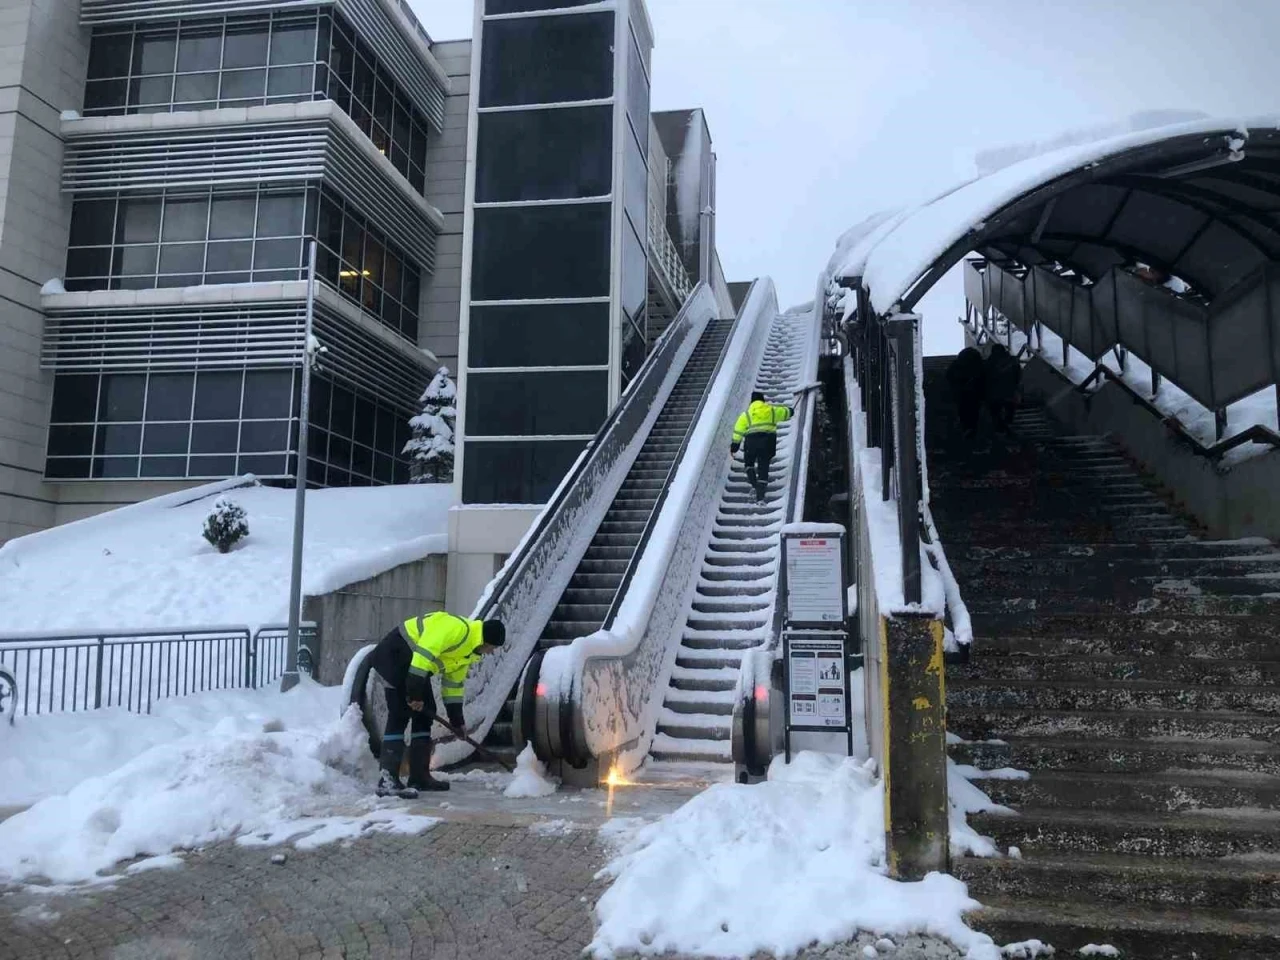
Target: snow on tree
431	449
226	525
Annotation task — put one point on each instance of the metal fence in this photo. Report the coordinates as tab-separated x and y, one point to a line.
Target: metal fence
60	673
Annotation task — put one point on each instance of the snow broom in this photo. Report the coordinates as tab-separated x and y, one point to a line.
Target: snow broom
483	751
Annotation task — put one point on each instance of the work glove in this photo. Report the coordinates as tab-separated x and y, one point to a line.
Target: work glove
454	710
733	448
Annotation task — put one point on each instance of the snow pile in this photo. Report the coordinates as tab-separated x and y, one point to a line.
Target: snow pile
147	566
239	777
530	778
51	753
705	879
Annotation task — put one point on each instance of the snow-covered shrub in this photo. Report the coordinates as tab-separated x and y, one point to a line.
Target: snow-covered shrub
431	450
226	525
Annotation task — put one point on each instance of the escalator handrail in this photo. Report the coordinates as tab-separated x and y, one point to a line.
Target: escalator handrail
656	512
552	509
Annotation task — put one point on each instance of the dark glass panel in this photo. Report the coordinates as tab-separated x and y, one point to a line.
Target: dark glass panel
338	478
186	219
243	84
525	6
400	472
182	258
264	436
67	468
384	103
543	252
293	43
516	471
158	467
544	154
118	439
138	221
385	430
231	218
635	184
200	48
362	431
547	60
268	394
339	451
166	438
329	224
212	466
101	96
361	461
92	222
280	215
153	52
289	81
218	394
229	255
277	255
121	397
169	396
634	349
635	272
246	46
115	468
74	398
315	472
383	468
539	335
352	240
536	404
318	402
89	262
214	437
110	54
637	94
273	466
411	288
70	441
135	261
342	407
194	90
151	90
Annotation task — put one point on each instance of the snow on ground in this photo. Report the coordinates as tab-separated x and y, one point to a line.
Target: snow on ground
148	566
49	754
704	880
266	782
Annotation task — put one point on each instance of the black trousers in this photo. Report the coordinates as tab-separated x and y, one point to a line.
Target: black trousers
391	660
758	450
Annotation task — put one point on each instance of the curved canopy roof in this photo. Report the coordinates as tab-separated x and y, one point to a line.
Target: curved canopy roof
1199	200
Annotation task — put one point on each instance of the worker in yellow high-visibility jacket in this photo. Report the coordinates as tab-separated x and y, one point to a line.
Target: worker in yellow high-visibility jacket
757	433
406	659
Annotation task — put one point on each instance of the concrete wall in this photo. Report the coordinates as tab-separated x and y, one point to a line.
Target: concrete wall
446	183
480	540
1231	499
43	56
363	612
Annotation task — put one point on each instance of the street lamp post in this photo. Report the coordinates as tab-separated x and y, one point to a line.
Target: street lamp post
290	678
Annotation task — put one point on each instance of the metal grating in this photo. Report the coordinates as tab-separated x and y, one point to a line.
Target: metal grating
209	335
300	151
423	80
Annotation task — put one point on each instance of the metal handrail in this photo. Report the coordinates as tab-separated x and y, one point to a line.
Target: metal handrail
549	512
654	514
666	255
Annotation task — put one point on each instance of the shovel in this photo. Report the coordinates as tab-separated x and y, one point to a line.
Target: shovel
485	753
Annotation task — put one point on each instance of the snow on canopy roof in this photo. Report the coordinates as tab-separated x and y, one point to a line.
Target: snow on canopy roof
892	250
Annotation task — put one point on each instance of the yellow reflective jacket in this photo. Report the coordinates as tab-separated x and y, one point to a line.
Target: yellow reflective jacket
761	417
444	644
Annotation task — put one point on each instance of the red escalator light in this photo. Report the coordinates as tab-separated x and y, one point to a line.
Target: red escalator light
540	689
762	693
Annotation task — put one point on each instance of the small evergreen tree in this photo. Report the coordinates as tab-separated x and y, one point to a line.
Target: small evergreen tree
431	450
226	525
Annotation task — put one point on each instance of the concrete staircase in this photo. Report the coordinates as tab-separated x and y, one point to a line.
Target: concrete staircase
1132	668
732	609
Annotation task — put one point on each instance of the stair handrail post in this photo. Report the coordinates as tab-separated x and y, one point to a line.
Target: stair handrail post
900	328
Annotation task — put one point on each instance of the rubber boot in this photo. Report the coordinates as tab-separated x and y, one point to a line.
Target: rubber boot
751	475
389	782
420	777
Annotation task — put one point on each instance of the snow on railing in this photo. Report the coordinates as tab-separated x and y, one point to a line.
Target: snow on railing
664	253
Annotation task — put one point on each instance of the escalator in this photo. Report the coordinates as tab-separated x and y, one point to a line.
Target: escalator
593	589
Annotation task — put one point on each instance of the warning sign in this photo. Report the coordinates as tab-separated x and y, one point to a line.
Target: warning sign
815	580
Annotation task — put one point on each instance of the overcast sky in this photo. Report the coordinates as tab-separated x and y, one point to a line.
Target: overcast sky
824	111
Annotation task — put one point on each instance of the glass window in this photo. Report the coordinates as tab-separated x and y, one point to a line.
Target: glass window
245	46
88	262
536	404
544	154
293	43
289	81
183	258
635	184
92	222
105	96
538	335
135	262
262	466
196	90
318	402
232	218
280	215
543	252
635	272
525	6
268	394
153	52
264	436
276	255
341	411
117	439
218	394
186	218
71	440
115	468
121	396
637	94
214	437
547	60
169	396
212	466
75	398
516	471
230	255
199	48
151	90
166	438
339	452
138	221
67	468
158	467
110	54
243	84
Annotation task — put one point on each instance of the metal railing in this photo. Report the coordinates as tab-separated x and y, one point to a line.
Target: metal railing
663	252
62	673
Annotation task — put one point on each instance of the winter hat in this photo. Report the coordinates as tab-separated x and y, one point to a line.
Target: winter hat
757	395
495	634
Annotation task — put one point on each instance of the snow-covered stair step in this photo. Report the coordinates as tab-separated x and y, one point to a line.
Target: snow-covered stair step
668	749
710	658
705	673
